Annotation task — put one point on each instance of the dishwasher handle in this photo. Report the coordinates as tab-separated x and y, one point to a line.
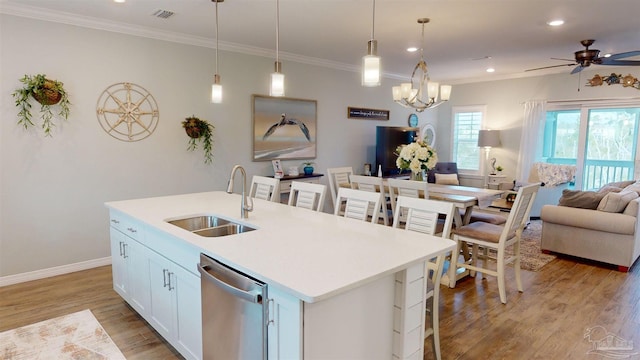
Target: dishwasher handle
245	295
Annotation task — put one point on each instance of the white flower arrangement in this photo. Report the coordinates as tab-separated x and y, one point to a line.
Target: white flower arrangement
417	156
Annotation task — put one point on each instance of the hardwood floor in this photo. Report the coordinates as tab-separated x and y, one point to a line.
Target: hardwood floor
39	300
547	321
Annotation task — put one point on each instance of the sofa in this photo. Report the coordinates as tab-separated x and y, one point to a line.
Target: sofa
608	233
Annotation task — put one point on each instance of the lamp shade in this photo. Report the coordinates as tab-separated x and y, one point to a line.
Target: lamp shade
488	138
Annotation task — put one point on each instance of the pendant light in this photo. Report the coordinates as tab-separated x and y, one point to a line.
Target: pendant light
371	61
216	88
277	77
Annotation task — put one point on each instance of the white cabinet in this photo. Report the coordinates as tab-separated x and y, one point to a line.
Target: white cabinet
130	275
285	326
175	310
160	290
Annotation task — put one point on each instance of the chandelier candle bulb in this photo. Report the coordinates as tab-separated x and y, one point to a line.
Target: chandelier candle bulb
445	92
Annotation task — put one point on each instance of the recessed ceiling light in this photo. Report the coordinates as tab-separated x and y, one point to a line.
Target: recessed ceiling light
555	22
412	49
119	1
490	70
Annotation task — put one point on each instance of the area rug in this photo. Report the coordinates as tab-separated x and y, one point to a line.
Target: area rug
532	258
77	336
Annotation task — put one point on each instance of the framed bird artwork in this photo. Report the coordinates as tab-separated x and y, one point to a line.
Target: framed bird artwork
284	128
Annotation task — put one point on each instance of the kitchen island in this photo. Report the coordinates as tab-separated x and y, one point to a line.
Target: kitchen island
339	288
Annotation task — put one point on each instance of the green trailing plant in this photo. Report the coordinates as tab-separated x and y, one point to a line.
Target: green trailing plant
45	91
199	131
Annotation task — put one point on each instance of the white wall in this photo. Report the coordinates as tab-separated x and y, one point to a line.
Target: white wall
53	189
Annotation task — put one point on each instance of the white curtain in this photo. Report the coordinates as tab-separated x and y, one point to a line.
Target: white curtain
531	138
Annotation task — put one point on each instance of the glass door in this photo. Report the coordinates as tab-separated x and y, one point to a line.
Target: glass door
610	146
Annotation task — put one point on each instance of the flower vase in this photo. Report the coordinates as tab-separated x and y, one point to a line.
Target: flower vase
418	176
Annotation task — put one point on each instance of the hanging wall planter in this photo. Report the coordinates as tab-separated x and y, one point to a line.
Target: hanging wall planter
200	130
45	91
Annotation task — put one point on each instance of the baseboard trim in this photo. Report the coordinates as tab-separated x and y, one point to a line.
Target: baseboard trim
54	271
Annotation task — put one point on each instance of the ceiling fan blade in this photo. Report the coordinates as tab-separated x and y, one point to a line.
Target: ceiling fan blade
577	69
549	67
623	55
606	61
572	60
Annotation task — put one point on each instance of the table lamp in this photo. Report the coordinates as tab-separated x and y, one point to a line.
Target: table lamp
488	139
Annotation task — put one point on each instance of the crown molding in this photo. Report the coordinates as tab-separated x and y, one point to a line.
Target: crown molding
145	32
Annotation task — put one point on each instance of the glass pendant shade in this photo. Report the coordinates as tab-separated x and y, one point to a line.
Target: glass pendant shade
371	70
277	82
216	93
371	66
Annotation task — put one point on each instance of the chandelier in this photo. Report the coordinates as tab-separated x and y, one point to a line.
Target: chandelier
425	94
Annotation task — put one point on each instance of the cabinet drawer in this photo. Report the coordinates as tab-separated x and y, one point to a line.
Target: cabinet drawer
126	225
285	186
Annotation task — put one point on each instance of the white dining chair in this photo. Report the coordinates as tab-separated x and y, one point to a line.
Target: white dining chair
338	177
357	204
372	184
307	195
497	238
408	188
421	215
265	188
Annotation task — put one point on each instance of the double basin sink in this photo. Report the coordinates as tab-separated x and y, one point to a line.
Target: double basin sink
210	226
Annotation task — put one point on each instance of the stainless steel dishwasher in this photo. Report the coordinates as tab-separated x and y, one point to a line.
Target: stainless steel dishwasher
234	313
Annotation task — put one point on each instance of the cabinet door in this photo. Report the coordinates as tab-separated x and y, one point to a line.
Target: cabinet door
285	326
138	275
162	295
119	263
189	312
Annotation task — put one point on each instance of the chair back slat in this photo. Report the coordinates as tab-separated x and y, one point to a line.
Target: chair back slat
407	188
519	214
265	188
338	177
307	195
371	184
357	204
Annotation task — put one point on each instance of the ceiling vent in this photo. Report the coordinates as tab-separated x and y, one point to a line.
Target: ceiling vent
164	14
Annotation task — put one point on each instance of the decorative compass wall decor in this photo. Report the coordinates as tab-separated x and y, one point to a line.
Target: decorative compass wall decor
127	111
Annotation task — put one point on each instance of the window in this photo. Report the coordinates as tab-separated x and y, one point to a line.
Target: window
467	122
601	141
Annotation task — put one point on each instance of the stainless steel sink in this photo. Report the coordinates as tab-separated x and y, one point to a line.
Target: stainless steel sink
210	226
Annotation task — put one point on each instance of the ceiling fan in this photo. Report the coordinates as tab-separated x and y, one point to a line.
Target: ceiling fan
586	57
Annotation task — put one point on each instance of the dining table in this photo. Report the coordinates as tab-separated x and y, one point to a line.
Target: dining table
463	197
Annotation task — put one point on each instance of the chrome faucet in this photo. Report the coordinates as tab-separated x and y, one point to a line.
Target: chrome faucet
246	204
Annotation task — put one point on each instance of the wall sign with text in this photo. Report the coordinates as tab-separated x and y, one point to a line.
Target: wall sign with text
367	114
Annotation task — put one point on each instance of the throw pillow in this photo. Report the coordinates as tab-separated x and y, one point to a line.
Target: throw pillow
633	187
580	199
609	188
621	184
447	179
616	202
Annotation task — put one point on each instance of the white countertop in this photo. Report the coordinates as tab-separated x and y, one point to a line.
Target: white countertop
311	255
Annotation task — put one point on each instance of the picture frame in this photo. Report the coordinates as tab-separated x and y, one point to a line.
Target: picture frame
283	128
278	173
428	135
